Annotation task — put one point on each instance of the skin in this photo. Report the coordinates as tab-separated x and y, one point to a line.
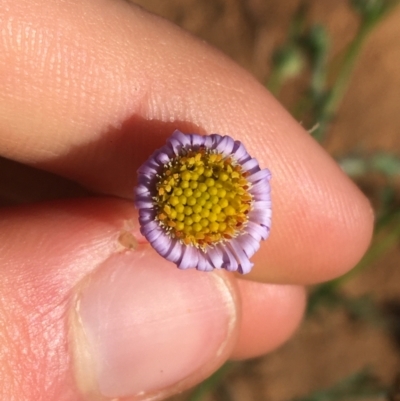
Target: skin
88	90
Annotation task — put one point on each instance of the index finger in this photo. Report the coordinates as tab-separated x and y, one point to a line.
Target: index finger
92	88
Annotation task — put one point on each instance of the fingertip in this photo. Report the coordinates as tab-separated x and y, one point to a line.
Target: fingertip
149	328
270	315
322	223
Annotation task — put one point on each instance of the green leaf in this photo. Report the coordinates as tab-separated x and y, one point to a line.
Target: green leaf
386	163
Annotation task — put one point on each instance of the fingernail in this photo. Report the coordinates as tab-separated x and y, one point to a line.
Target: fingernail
141	326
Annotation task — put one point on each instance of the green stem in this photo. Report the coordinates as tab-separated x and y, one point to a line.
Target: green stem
324	292
386	219
209	384
275	82
347	68
376	250
329	109
361	385
335	97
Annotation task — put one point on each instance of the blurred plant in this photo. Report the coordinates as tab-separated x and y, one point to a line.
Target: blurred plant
391	311
394	394
329	294
359	165
310	45
362	384
210	383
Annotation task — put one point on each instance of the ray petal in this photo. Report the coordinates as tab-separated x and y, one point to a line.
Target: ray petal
181	137
249	244
230	262
225	146
263	174
190	258
244	262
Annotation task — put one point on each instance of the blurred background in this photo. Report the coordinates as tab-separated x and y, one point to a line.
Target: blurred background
335	65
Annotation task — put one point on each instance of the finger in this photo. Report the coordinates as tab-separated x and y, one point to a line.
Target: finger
97	318
270	315
97	312
91	104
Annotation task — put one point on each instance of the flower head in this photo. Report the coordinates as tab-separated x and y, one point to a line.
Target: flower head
204	202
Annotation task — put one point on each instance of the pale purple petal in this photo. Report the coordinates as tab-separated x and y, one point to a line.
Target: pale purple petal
249	244
240	153
175	145
251	166
147	213
152	235
264	174
261	186
246	267
215	256
182	138
262	204
146	181
142	190
190	258
162	157
176	251
225	146
208	142
261	217
146	218
230	262
143	198
216	139
264	211
267	229
261	196
244	262
197	140
162	245
258	232
145	204
149	169
150	226
204	264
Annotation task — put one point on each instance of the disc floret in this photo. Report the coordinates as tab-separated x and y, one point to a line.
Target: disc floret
202	198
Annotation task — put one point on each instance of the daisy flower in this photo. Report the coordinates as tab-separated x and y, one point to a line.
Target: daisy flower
204	202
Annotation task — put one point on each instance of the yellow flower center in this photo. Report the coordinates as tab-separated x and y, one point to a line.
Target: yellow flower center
202	198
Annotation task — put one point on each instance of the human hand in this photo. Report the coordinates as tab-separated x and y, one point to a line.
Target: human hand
88	89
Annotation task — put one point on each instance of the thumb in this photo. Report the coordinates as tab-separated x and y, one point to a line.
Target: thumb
88	312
